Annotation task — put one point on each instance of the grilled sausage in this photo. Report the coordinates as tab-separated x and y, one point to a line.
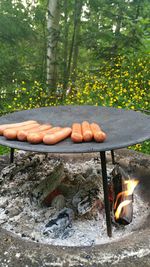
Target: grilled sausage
99	135
12	133
86	131
76	135
22	134
13	125
51	139
37	137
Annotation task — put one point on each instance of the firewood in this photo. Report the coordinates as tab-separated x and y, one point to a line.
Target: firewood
44	190
121	202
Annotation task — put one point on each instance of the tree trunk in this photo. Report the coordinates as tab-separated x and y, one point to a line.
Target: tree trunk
77	37
137	14
52	39
66	32
117	33
74	42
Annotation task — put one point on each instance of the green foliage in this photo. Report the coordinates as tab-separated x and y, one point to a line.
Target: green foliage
122	82
115	27
21	46
107	28
144	147
4	150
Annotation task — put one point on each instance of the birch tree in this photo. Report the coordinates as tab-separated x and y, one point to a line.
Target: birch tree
52	40
74	46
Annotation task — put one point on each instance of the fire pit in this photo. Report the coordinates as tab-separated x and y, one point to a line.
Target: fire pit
123	128
129	245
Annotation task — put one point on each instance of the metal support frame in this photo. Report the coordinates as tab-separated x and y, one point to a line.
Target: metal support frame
106	193
12	150
113	157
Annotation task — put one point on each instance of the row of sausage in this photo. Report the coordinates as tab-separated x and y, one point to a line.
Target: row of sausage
35	133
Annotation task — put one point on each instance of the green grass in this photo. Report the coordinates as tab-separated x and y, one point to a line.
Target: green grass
145	147
4	150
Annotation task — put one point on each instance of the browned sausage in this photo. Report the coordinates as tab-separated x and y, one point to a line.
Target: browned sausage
86	131
12	125
99	135
12	133
76	135
37	137
22	134
51	139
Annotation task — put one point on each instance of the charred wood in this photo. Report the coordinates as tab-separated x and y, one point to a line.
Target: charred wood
122	203
45	191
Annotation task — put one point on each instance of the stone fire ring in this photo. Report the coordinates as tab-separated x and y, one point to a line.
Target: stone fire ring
132	250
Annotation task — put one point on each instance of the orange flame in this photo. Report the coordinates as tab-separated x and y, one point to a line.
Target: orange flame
130	185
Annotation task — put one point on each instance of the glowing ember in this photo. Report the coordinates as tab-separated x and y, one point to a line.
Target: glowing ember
130	186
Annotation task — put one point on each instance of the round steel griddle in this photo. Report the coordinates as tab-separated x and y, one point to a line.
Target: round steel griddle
123	127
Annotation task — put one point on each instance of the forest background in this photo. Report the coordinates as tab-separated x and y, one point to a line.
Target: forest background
61	52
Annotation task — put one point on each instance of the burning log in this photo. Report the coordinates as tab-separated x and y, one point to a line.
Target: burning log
123	188
47	189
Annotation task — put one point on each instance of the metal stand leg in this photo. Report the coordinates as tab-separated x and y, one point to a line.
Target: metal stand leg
12	155
106	196
113	157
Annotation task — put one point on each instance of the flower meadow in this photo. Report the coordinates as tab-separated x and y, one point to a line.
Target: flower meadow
122	82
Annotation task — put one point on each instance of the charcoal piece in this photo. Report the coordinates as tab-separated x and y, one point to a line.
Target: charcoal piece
57	225
120	199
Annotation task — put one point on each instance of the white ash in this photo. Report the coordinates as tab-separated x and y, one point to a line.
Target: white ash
24	217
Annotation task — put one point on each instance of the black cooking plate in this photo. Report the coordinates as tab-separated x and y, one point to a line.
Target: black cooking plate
123	127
